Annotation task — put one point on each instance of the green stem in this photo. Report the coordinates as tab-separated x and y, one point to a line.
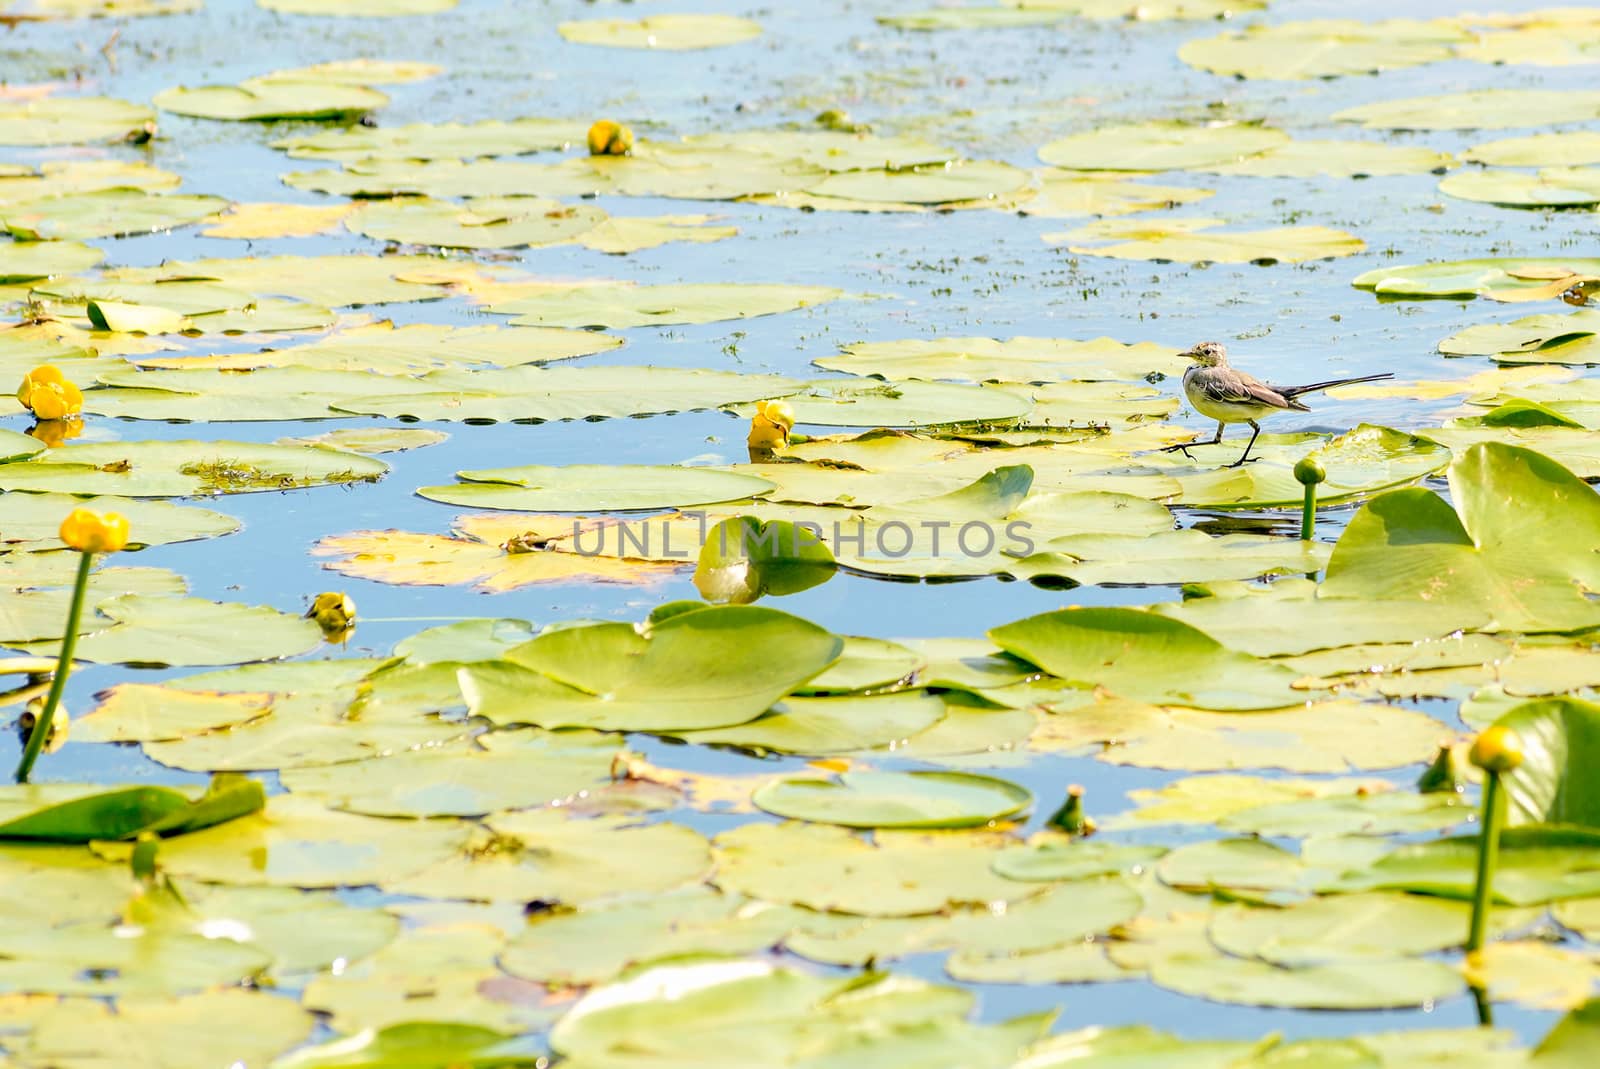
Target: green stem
1308	515
69	639
1488	856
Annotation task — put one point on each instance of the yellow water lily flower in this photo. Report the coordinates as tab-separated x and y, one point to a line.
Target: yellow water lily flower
608	138
95	532
46	393
335	613
770	426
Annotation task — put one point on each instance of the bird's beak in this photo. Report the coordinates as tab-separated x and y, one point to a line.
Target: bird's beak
1190	355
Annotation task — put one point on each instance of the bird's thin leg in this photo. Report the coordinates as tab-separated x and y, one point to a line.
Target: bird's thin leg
1255	429
1183	447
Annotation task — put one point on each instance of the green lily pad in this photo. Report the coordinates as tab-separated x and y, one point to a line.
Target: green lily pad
1339	159
298	843
1147	657
29	261
359	8
714	667
1161	146
99	961
335	281
105	214
1168	557
1383	813
1537	864
1355	927
1323	48
1476	278
899	873
1553	187
1552	785
72	121
465	642
33	520
619	305
1067	194
1535	339
938	184
1013	360
422	1044
1074	859
259	99
185	468
842	724
435	141
1196	241
870	403
75	813
209	1028
595	944
666	32
1409	544
482	223
1340	986
1570	148
546	856
743	558
1484	109
895	799
162	630
595	488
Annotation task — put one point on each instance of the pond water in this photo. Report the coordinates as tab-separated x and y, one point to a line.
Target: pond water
994	94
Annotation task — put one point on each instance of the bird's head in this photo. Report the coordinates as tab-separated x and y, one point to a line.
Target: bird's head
1209	354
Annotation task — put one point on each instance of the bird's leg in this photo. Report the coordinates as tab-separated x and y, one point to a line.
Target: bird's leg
1256	429
1183	447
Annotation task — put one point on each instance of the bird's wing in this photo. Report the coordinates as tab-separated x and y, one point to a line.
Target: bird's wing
1225	385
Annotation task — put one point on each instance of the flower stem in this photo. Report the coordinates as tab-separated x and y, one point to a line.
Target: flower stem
1488	856
69	639
1308	514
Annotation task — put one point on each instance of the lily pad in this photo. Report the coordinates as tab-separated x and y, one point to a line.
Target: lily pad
72	121
434	141
1501	278
1196	240
185	468
666	32
216	1027
1324	48
1012	360
161	631
29	261
260	100
105	213
620	306
482	223
595	488
842	724
1484	109
714	667
1570	148
1339	159
899	873
1143	656
895	799
1161	146
1553	187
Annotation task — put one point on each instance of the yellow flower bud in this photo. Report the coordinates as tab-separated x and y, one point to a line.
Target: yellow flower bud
770	426
47	394
95	532
608	138
1496	749
1309	472
335	613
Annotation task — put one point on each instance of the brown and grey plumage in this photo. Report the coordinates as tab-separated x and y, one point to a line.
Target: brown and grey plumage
1231	396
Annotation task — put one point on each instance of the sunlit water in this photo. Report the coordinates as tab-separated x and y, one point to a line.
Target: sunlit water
996	93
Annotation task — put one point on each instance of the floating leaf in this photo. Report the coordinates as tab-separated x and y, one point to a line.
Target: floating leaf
433	141
1194	240
595	488
420	1045
185	468
830	725
713	667
895	799
29	261
1502	278
154	630
1484	109
105	213
667	32
210	1028
1570	148
482	223
1066	194
1013	360
1323	48
1553	187
1161	146
1143	656
1340	159
620	305
72	121
33	520
828	868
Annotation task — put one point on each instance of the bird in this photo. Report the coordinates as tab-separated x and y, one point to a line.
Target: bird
1229	396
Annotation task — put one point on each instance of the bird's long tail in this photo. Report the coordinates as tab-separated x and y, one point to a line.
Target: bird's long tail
1296	391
